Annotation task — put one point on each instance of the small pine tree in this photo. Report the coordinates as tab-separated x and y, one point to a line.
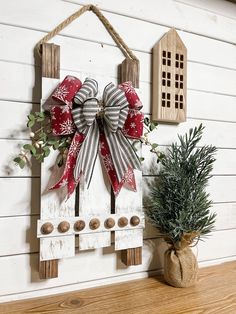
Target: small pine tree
179	204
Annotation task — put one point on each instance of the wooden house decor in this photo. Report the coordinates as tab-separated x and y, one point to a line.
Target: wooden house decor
91	218
169	79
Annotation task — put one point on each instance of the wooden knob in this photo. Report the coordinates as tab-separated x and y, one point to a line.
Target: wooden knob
94	223
63	226
109	223
134	220
47	228
122	222
79	225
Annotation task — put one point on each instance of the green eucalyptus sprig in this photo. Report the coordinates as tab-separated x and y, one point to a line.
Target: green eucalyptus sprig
149	126
41	141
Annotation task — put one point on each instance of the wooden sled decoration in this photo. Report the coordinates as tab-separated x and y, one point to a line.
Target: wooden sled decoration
91	218
169	79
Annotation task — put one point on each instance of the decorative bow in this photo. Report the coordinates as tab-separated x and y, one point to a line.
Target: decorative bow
103	126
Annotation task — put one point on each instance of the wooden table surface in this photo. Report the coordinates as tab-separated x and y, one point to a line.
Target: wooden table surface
214	293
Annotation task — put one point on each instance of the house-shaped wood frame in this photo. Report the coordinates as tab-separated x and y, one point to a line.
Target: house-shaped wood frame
169	79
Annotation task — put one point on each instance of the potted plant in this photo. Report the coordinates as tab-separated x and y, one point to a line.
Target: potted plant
179	205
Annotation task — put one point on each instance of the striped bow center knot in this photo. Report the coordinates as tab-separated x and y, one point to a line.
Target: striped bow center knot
112	108
100	112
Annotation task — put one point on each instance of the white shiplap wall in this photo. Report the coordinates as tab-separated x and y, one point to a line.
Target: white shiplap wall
208	30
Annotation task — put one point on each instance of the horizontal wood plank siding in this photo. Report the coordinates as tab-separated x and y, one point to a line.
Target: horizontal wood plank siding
207	30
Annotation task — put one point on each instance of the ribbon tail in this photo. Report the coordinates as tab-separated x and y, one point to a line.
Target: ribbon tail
129	151
108	163
129	179
122	152
67	179
124	159
88	154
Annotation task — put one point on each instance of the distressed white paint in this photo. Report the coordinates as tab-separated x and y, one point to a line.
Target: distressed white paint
128	239
126	202
101	217
211	100
53	203
48	87
25	240
55	248
95	200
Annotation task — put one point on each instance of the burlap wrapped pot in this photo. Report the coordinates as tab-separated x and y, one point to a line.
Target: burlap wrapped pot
180	265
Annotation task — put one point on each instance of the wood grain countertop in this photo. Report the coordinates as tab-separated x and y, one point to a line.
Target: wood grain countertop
214	293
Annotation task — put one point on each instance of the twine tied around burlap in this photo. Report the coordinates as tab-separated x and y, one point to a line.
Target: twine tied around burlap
180	264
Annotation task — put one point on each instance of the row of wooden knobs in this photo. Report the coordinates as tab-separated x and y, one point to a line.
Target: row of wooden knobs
94	224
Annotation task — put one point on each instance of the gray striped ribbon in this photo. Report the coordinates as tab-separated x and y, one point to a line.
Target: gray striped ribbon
114	111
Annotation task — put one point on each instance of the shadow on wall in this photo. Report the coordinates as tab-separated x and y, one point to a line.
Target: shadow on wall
154	243
9	168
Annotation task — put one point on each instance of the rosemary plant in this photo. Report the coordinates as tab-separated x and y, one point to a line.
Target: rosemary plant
179	204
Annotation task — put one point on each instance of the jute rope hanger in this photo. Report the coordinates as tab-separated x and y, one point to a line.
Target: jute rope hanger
116	37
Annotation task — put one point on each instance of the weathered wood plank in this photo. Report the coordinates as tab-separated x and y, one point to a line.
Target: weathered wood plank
53	203
50	61
129	71
132	256
48	269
